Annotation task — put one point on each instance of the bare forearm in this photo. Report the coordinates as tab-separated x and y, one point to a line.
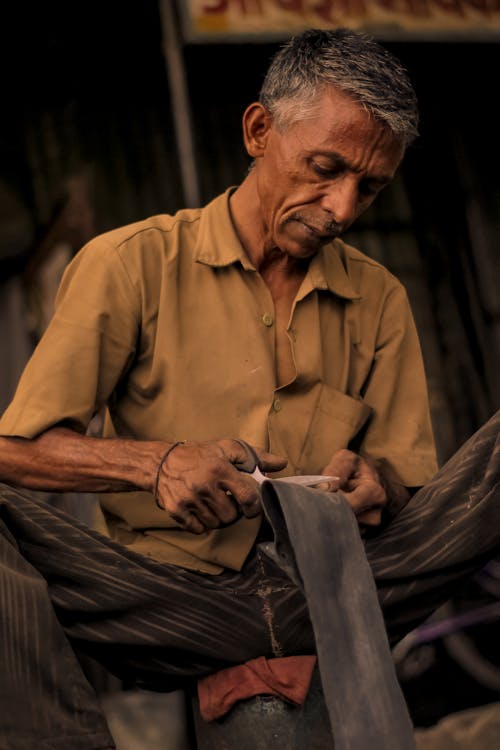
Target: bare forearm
62	460
199	484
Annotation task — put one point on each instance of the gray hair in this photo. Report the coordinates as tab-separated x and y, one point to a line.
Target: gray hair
346	60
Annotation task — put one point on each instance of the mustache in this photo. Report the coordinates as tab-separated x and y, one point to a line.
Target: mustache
331	228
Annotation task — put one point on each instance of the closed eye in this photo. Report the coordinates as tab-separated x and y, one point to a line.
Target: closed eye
327	172
369	187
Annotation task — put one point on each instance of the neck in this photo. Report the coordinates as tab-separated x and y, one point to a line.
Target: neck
274	264
254	236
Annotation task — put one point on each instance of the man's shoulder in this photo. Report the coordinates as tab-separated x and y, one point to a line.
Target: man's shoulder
141	246
156	227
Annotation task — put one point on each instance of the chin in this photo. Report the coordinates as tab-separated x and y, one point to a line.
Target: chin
302	250
298	242
305	252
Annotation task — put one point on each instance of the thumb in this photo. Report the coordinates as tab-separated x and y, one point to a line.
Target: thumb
330	484
237	451
270	461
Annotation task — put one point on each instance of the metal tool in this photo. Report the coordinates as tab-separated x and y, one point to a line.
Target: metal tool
251	466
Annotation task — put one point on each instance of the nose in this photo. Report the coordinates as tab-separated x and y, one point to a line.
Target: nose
340	199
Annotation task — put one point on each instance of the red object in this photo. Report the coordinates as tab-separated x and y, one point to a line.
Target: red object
287	678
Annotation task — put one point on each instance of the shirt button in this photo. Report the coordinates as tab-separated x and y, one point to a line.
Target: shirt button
277	404
267	319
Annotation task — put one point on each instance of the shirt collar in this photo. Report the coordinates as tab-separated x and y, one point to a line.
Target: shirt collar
327	271
218	245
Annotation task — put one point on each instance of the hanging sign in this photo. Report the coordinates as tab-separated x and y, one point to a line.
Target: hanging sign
233	20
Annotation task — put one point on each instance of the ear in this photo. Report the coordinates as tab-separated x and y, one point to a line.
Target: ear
256	126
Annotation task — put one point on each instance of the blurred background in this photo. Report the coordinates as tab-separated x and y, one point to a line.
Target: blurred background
114	113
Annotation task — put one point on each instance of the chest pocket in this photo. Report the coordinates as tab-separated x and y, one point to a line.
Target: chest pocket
336	420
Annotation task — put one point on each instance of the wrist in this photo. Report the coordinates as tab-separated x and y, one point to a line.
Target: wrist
161	463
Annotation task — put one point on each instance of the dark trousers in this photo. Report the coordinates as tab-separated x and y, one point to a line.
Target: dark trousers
63	586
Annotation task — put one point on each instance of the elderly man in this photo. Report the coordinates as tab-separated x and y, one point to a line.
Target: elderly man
245	323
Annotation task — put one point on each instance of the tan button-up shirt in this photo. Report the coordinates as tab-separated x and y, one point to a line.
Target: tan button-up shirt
167	324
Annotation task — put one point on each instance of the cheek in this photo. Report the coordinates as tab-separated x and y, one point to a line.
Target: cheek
284	189
296	189
274	191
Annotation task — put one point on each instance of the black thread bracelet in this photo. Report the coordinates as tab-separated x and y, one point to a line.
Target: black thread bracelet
162	461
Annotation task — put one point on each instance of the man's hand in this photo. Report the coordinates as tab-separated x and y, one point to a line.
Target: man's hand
372	497
202	489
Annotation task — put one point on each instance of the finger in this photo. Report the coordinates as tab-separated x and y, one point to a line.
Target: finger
224	506
343	464
210	517
251	509
366	496
188	509
235	452
270	461
211	504
245	492
366	469
189	522
331	486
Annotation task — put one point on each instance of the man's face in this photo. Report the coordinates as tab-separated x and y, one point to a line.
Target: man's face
318	175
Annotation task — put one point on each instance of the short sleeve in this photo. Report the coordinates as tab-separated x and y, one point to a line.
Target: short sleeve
85	350
399	434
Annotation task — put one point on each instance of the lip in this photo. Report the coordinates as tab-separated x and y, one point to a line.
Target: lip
317	232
